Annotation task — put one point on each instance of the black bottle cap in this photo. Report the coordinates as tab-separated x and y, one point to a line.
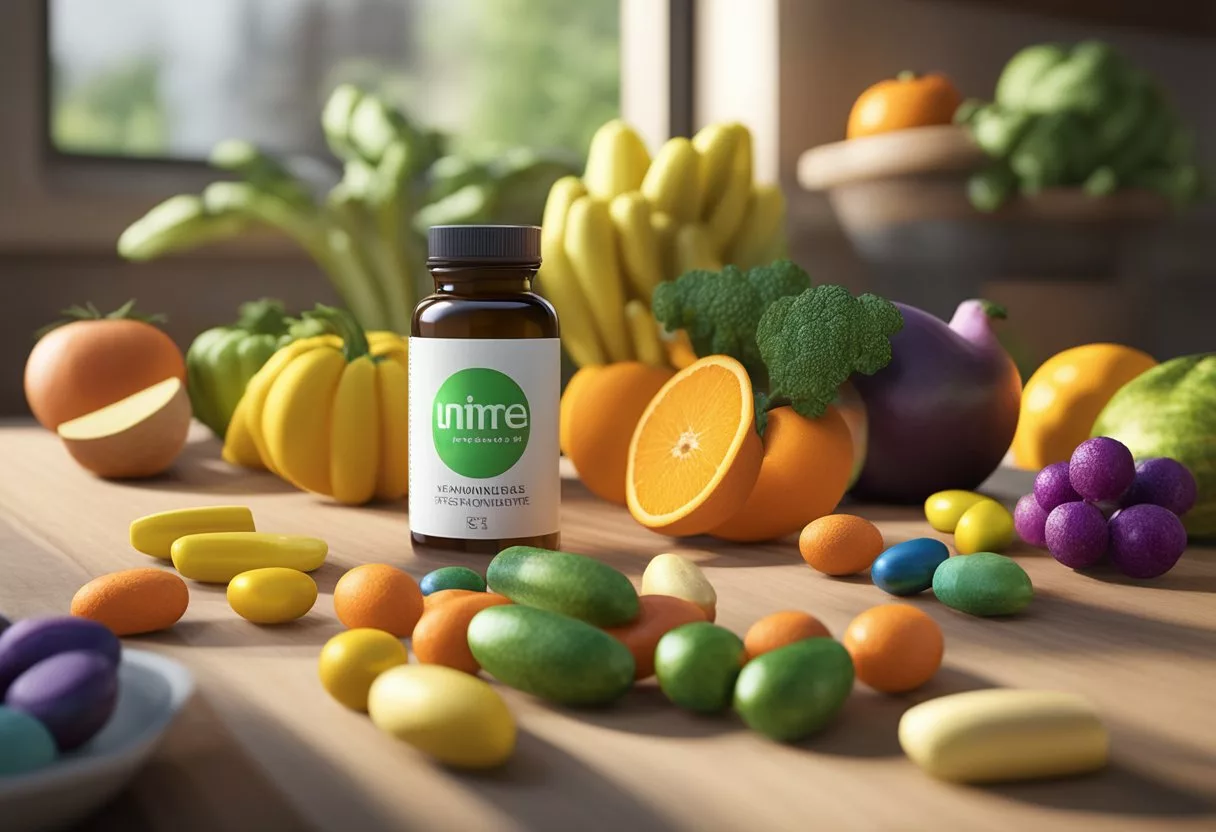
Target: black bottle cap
483	243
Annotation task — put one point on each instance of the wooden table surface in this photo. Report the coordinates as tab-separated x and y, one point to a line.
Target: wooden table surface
262	747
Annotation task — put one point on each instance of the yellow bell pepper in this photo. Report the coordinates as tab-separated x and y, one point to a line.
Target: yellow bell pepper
329	413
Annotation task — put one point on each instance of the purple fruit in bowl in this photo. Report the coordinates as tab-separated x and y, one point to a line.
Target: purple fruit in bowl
1101	469
1052	486
1077	535
1163	482
943	412
73	694
1030	521
1146	540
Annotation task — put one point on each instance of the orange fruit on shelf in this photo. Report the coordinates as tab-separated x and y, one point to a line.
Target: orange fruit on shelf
598	417
695	453
840	544
895	647
781	628
907	100
803	476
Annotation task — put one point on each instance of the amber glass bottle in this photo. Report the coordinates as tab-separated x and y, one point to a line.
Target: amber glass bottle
484	385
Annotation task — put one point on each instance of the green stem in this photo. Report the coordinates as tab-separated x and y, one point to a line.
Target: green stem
343	323
993	309
263	317
906	75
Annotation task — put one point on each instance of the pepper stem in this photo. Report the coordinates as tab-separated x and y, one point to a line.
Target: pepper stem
906	75
342	323
263	317
993	309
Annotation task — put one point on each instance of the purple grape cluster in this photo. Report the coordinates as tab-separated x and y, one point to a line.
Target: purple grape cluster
1101	505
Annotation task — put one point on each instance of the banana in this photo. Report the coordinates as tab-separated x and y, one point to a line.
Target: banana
762	223
727	213
557	281
639	249
645	332
664	229
616	161
694	250
716	146
239	448
673	182
591	246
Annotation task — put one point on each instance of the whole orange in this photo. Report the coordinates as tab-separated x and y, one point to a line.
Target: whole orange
378	596
781	628
803	476
907	100
599	410
840	544
895	647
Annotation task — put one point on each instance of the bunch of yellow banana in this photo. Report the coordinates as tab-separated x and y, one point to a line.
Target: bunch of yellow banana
630	223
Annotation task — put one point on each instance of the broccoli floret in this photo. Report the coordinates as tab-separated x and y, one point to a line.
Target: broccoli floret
720	310
812	342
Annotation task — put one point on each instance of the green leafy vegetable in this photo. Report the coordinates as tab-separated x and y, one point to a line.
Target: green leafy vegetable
721	310
812	342
798	343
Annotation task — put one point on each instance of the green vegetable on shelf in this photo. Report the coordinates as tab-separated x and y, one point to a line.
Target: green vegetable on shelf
367	234
1080	116
221	360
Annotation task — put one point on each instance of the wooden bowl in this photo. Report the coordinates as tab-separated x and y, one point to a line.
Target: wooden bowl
901	197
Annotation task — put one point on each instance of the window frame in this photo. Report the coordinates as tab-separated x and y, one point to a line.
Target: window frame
50	199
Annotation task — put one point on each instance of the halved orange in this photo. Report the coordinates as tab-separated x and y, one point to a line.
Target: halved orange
695	453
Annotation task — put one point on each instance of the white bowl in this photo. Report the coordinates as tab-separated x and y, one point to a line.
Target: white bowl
152	691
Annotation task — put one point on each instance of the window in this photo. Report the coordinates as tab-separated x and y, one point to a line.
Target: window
151	79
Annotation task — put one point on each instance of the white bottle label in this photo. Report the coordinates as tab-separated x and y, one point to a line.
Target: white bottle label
483	452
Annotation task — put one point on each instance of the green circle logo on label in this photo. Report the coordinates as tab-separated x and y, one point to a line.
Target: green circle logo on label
480	422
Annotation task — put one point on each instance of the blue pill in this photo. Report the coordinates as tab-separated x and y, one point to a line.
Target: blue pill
452	577
907	568
25	743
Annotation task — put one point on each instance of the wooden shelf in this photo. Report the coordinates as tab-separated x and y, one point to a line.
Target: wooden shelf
1179	17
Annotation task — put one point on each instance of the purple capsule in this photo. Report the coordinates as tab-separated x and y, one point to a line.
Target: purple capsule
1101	469
73	694
1164	482
1146	540
1053	488
1076	535
1030	520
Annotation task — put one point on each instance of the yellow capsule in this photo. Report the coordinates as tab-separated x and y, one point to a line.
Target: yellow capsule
990	736
352	660
218	557
673	575
154	535
451	716
272	595
985	527
944	508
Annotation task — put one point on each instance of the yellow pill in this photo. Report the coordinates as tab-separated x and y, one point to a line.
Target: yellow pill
985	527
154	534
944	508
220	556
451	716
673	575
992	736
352	660
272	595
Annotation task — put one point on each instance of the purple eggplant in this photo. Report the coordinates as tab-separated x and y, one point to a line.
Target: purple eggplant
942	414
